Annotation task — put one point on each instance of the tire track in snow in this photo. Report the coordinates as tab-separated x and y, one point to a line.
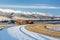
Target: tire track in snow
21	33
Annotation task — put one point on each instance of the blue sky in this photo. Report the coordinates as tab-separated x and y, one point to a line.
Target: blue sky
44	6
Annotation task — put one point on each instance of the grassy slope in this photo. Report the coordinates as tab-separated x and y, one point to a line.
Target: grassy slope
40	28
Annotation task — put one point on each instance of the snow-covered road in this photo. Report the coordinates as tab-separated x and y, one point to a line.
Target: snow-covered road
20	33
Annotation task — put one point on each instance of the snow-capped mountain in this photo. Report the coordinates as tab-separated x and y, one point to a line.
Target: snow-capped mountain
36	15
22	12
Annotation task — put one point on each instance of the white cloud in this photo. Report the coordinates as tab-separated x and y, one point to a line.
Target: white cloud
31	6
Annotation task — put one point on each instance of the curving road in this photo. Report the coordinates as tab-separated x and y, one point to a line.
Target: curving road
20	33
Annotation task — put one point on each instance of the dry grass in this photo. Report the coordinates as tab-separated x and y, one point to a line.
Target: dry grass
6	26
22	22
40	28
1	27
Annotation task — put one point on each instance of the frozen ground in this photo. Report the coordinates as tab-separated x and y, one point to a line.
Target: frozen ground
5	36
20	33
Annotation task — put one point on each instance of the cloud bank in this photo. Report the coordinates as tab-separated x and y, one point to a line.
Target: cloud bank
30	6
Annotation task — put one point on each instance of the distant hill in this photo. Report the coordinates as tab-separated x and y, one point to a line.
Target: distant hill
35	15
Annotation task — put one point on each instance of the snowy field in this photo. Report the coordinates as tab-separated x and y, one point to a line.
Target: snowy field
20	33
